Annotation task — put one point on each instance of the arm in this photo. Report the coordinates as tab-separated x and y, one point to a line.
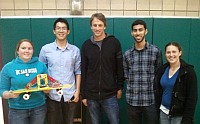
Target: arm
9	94
83	71
158	89
77	72
85	102
159	61
5	85
119	94
78	83
42	56
191	98
125	65
120	70
83	74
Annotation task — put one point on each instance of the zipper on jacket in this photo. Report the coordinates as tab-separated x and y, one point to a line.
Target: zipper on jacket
100	74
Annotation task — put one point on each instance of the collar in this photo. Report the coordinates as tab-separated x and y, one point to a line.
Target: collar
67	47
145	47
93	41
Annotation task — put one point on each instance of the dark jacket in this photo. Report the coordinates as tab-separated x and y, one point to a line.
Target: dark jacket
184	95
101	69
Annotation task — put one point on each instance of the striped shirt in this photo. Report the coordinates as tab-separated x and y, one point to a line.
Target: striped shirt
140	67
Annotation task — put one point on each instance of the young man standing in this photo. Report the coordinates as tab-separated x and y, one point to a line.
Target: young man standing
64	64
102	72
141	62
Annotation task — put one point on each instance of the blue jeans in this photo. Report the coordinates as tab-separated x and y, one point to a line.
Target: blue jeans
136	114
110	107
28	116
165	119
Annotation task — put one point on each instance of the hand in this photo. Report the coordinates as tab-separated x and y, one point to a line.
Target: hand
119	94
10	94
13	95
46	91
56	84
76	97
85	102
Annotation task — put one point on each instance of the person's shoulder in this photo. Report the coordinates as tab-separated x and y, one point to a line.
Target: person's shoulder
41	64
186	65
48	45
128	51
9	65
36	61
86	42
33	60
112	37
73	46
188	69
153	46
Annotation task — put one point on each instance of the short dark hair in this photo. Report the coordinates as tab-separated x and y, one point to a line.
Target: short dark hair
99	16
61	20
139	22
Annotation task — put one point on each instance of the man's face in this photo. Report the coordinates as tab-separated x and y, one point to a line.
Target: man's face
139	33
61	31
98	28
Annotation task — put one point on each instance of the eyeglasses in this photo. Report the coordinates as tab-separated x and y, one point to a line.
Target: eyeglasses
61	28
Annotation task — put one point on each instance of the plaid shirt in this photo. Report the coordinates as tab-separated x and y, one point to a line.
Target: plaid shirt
140	67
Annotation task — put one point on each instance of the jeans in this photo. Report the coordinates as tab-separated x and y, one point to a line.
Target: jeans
60	112
28	116
137	113
165	119
110	107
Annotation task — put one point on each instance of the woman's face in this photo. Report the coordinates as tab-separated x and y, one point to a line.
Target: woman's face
25	51
172	54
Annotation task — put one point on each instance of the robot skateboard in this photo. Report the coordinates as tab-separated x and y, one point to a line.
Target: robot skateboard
44	82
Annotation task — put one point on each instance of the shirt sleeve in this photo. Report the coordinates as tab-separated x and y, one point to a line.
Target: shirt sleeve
78	62
4	81
159	61
125	65
120	70
84	65
42	57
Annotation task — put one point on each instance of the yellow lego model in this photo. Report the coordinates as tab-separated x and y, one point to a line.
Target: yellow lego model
44	82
